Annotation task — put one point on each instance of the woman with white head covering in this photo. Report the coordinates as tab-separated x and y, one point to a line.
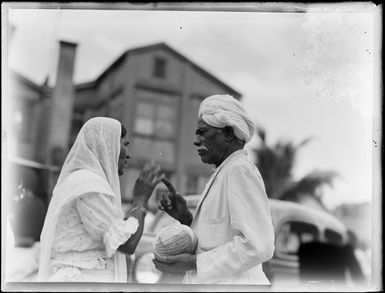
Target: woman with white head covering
85	234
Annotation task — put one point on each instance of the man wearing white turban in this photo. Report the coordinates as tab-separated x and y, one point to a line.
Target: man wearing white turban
232	219
223	110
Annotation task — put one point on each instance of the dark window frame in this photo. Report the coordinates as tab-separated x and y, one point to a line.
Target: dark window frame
300	228
333	236
159	67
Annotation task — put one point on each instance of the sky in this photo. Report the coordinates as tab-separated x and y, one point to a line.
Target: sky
300	74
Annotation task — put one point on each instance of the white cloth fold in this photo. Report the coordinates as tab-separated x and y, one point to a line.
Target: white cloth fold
224	110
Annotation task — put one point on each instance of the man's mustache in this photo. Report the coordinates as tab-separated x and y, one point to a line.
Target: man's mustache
202	148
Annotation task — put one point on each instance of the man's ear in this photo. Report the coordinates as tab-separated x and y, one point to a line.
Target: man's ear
228	131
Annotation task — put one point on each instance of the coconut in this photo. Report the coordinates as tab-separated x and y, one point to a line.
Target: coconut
174	239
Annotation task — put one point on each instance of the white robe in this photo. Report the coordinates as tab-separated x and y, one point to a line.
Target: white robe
234	227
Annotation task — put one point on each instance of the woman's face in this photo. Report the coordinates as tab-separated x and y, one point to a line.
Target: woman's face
124	155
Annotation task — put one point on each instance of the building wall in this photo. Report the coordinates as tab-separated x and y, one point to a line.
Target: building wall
153	101
85	98
123	92
24	106
173	78
160	114
188	86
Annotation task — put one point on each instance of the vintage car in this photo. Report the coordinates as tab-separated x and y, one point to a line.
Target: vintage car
294	225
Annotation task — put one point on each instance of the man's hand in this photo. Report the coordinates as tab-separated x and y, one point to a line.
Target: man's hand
176	264
174	204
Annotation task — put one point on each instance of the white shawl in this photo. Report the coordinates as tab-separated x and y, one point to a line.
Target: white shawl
91	166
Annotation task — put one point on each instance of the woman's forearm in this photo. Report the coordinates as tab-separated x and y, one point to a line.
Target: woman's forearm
137	212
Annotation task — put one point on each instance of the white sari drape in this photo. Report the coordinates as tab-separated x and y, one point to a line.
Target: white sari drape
91	166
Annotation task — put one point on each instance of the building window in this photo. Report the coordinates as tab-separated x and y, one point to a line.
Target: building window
155	126
291	236
156	116
145	117
159	69
333	236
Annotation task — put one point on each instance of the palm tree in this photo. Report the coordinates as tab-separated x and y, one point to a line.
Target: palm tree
276	164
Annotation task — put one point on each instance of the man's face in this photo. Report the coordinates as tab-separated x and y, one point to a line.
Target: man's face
211	143
124	155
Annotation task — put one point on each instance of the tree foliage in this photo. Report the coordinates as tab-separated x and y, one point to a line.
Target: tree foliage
276	163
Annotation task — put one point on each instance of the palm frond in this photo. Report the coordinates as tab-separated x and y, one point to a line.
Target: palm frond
276	163
261	134
308	185
305	141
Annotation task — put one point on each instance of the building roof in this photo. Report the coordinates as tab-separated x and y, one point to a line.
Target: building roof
162	46
120	60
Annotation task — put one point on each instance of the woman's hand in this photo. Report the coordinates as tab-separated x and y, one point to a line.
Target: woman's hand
149	177
174	204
